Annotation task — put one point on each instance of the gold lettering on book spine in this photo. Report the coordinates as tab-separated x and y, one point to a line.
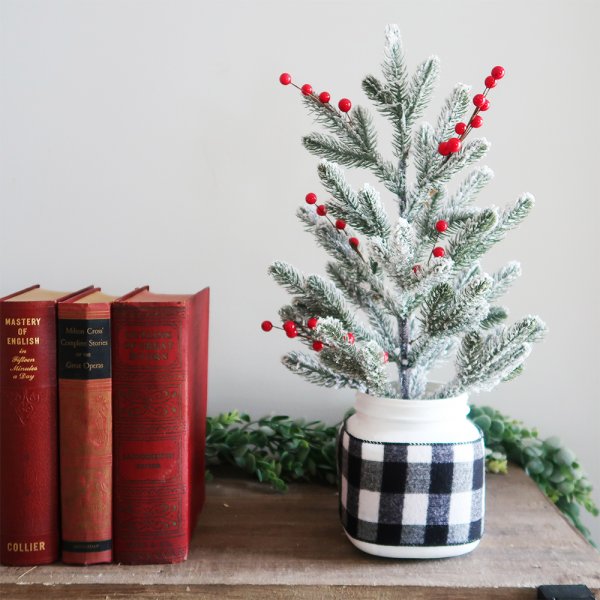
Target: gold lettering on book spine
22	332
26	546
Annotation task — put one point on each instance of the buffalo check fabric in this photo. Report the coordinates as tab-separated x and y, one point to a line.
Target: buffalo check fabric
398	494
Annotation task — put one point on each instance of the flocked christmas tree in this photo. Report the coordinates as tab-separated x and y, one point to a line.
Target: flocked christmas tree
406	289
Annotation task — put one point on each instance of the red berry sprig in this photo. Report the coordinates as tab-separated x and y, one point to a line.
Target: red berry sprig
306	331
482	104
339	224
291	328
344	105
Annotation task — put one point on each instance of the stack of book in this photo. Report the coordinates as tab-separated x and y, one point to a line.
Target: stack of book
102	425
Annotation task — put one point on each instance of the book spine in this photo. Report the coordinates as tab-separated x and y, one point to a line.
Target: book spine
29	533
198	377
151	433
85	409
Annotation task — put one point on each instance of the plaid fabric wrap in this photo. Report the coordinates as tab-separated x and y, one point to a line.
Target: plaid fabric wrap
411	494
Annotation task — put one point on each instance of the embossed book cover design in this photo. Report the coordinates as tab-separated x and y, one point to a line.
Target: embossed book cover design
159	411
85	426
28	428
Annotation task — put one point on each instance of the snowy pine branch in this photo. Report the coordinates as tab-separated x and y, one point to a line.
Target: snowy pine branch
421	89
426	157
468	190
453	111
363	210
504	278
415	278
394	64
470	153
472	241
363	361
287	276
484	361
495	316
314	371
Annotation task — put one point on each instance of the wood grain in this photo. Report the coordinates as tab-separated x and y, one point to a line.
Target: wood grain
252	543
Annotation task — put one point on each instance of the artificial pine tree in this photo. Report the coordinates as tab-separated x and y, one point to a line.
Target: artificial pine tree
407	289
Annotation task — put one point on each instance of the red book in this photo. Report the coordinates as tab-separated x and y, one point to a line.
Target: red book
28	428
85	432
160	349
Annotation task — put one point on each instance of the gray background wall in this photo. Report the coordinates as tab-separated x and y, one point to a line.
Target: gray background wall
150	142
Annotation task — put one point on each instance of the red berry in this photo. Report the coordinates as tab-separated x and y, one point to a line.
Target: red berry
266	325
312	322
441	225
485	105
353	242
311	198
386	357
306	89
289	326
340	224
477	121
291	333
490	82
345	105
285	79
318	346
324	97
460	128
321	210
478	100
350	337
438	252
443	148
417	269
454	145
498	72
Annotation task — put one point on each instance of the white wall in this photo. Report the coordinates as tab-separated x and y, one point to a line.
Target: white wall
149	141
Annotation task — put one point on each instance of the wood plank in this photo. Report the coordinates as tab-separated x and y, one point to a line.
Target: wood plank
254	543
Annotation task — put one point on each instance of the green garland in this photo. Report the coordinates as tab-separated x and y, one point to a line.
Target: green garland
277	450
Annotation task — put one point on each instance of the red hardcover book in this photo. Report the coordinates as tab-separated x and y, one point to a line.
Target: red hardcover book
85	432
29	508
160	349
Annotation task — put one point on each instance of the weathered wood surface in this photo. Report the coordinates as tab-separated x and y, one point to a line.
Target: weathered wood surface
254	544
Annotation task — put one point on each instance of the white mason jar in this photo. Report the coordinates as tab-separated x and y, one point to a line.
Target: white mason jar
411	477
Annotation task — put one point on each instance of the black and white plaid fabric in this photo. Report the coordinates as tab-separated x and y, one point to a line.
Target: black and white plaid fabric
411	494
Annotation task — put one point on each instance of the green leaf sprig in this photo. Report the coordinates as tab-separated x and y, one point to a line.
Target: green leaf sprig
276	450
551	465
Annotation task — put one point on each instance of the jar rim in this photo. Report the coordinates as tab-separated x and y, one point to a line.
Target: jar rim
424	409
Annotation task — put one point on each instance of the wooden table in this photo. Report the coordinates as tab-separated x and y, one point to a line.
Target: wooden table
252	543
